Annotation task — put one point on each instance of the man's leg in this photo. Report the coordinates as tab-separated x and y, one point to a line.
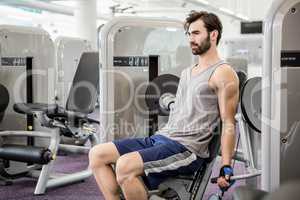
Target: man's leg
128	168
101	157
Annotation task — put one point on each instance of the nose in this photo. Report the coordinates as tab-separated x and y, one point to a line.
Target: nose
191	39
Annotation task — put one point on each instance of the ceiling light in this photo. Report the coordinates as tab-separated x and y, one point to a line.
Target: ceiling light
204	2
171	29
243	17
226	10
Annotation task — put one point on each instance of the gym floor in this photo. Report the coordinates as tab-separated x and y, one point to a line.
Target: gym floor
87	190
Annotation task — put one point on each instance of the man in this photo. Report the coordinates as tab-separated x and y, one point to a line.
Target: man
206	93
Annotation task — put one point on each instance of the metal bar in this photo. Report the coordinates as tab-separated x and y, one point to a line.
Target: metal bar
74	148
27	133
45	173
68	179
245	176
244	142
249	147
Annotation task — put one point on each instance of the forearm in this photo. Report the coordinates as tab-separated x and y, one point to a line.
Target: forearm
227	144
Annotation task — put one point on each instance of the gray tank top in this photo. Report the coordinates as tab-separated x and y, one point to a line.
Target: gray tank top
196	112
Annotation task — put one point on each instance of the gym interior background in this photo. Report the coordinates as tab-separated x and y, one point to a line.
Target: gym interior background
119	47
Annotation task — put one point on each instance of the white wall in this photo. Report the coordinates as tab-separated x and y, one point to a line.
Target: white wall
62	25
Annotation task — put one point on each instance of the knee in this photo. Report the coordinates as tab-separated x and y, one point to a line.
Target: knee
123	172
97	157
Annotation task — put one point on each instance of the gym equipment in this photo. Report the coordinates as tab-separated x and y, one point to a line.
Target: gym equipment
128	68
280	99
68	52
35	43
251	102
62	121
4	101
160	94
26	72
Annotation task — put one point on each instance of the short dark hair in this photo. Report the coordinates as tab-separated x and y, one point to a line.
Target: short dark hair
210	20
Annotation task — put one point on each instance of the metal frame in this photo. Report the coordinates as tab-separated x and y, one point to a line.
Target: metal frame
245	141
271	70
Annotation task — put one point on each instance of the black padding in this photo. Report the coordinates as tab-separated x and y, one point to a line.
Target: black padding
4	100
166	83
242	78
245	193
83	93
30	108
251	102
28	154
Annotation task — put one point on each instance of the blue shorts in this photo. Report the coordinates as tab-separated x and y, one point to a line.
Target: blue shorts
162	158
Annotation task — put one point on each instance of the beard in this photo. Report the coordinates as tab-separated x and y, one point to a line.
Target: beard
203	47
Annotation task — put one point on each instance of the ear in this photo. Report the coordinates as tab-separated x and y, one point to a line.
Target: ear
214	35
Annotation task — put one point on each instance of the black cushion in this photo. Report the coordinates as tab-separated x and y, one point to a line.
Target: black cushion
83	93
21	153
4	100
242	78
30	108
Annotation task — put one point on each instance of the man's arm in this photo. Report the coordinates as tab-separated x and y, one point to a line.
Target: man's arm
226	84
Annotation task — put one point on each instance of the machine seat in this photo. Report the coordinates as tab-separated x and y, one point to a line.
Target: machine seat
30	108
23	153
52	111
82	96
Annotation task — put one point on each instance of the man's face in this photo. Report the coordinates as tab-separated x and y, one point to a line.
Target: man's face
199	38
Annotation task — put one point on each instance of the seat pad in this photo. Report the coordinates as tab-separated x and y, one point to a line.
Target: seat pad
30	108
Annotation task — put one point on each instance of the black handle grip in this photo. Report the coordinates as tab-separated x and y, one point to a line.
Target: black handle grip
214	180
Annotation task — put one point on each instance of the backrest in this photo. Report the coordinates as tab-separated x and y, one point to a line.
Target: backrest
242	78
215	142
83	93
4	100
